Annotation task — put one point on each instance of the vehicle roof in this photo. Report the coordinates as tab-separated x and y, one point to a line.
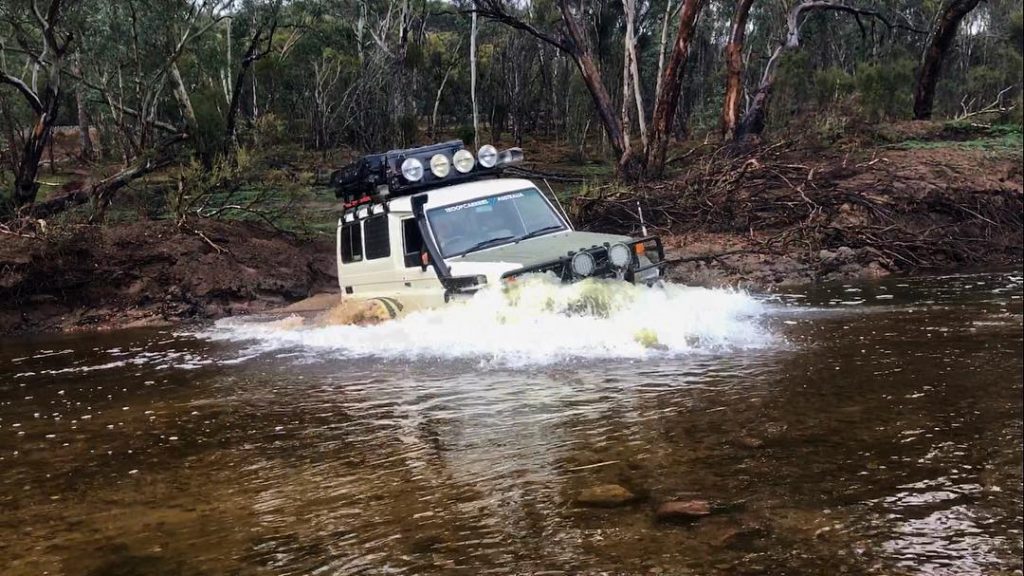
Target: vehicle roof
461	192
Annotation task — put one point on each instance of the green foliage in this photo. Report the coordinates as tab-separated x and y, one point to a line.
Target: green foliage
269	130
466	134
360	75
198	183
1015	32
999	138
794	87
246	186
208	104
984	80
832	85
884	89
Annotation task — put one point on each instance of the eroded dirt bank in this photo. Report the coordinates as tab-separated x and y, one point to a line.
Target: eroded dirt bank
791	216
85	277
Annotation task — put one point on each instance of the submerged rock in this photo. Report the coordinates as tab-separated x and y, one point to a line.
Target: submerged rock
683	510
749	442
744	538
605	496
360	312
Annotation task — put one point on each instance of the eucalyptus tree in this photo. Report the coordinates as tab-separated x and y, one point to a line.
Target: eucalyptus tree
35	37
931	64
572	35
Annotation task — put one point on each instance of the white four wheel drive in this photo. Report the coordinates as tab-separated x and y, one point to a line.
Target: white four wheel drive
424	226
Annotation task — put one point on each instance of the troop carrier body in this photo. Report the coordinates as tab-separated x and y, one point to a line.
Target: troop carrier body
425	226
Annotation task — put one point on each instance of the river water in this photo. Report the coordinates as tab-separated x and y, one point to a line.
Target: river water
858	429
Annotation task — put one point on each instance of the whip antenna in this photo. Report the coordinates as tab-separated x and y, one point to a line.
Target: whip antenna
643	225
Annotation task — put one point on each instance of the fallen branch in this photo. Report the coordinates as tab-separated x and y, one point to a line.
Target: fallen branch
103	190
808	207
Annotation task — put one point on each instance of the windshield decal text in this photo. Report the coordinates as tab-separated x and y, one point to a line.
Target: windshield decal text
484	202
472	204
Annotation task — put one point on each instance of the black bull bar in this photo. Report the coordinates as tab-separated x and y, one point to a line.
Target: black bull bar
561	266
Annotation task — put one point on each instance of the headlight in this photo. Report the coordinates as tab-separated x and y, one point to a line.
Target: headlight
439	165
620	255
412	169
583	264
463	161
487	155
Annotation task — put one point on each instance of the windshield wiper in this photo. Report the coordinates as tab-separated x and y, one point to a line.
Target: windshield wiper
539	231
485	244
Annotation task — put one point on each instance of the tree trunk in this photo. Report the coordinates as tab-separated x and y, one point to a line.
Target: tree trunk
25	185
752	124
671	85
252	53
472	80
44	102
574	43
634	69
661	44
931	64
437	105
45	109
85	147
734	70
184	101
602	100
627	91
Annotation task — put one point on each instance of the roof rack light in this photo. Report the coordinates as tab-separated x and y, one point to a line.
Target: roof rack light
510	156
411	170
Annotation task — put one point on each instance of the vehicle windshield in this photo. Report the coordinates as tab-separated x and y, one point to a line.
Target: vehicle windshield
492	221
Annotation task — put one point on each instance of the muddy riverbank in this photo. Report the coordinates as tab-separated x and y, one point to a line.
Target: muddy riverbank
916	201
152	273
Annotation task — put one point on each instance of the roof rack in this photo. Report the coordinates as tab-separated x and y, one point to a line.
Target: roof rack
412	170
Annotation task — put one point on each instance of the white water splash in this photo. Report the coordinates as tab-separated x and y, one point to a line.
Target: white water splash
539	321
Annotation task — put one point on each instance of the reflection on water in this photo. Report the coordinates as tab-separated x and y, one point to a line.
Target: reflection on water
870	429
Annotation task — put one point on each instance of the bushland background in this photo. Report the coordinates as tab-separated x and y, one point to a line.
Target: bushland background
162	159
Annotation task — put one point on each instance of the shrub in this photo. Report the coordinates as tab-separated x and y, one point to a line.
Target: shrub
466	134
269	130
882	87
832	85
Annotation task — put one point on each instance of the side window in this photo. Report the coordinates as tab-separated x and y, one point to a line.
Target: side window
378	242
412	241
351	243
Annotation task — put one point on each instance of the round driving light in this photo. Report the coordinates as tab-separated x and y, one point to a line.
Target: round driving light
488	156
583	264
412	169
619	255
439	165
463	161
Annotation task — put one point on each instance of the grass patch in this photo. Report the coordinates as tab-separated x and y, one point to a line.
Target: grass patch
993	139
